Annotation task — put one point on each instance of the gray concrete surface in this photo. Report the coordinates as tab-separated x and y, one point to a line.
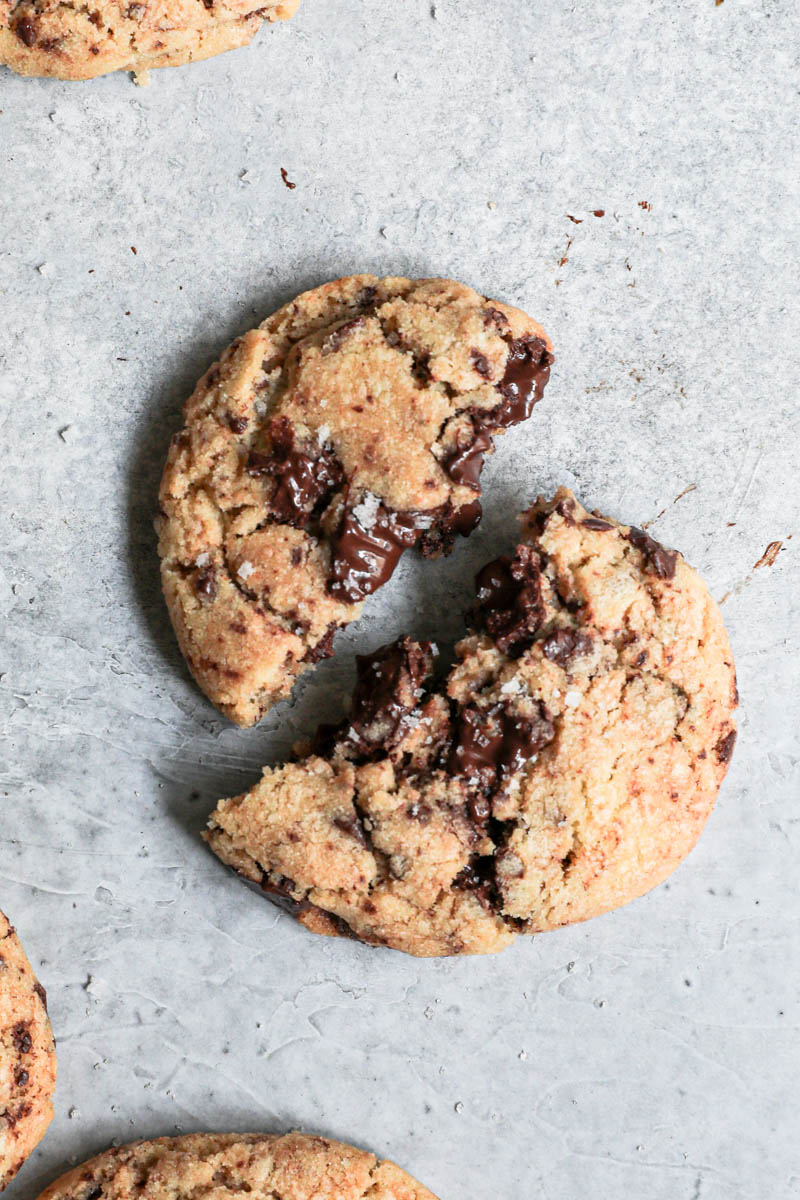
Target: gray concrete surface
652	1053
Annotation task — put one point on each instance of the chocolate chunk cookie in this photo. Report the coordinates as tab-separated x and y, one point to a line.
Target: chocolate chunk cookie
566	765
204	1166
76	41
350	426
27	1057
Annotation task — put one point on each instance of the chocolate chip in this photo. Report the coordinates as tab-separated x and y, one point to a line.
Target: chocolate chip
237	424
596	523
21	1077
657	557
510	605
419	812
297	556
493	316
41	993
21	1038
481	363
724	747
564	644
205	584
368	297
365	558
566	510
352	827
26	31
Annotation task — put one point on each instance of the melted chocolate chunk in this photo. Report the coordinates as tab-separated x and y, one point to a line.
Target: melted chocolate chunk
596	523
465	464
724	747
206	584
477	746
563	645
526	375
389	686
510	605
279	890
491	744
658	558
303	481
478	876
364	559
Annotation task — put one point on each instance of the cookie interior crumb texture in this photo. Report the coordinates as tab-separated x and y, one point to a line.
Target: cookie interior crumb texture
72	41
293	1166
565	766
27	1057
350	426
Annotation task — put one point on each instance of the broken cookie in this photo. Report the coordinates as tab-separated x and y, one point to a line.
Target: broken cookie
565	766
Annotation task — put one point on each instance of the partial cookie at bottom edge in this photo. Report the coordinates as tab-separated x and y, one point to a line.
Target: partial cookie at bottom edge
293	1166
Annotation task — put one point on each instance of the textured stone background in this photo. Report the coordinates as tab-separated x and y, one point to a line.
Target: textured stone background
652	1053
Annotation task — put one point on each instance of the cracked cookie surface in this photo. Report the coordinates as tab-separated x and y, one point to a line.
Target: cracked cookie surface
27	1056
78	41
565	766
350	426
293	1166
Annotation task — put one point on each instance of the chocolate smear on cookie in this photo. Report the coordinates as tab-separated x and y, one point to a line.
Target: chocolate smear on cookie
371	540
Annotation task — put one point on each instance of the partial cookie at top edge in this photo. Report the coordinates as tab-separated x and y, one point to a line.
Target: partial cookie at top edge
565	766
350	426
27	1057
199	1165
66	41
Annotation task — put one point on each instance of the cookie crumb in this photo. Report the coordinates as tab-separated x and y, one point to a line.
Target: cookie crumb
770	554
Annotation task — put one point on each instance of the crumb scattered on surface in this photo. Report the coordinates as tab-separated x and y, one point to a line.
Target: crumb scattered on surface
770	554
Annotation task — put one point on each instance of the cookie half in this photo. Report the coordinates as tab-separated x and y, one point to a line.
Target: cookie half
71	41
199	1165
350	426
565	766
27	1057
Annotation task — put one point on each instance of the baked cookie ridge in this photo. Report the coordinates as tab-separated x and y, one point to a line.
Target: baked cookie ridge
565	765
350	426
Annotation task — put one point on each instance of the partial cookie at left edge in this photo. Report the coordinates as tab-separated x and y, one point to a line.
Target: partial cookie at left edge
60	40
27	1056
